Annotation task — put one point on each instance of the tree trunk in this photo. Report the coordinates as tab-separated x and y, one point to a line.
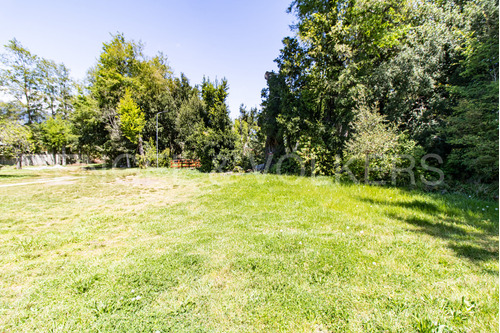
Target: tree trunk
54	154
142	161
128	161
367	167
19	164
63	155
140	147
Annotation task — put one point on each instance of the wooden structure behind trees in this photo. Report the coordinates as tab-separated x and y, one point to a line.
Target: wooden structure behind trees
182	163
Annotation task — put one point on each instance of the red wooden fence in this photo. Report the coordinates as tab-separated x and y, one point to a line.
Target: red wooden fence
184	163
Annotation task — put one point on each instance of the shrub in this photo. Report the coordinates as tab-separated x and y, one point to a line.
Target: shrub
149	158
376	149
316	157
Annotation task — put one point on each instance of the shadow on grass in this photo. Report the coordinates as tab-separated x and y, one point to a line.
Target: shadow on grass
437	229
474	252
16	176
450	220
94	167
100	167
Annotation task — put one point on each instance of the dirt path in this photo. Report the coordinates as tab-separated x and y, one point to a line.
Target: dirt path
41	181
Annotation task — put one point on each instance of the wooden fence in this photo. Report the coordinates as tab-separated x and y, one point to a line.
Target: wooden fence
184	163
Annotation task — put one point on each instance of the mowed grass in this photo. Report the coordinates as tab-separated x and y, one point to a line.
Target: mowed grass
181	251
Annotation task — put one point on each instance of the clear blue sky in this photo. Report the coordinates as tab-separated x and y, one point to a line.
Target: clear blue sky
223	38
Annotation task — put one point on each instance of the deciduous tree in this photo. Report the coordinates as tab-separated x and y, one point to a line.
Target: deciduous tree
21	79
15	140
131	120
57	134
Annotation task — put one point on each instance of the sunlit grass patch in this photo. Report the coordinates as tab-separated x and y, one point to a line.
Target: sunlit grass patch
177	250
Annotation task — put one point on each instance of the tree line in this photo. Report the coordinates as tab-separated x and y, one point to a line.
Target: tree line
114	112
376	80
362	83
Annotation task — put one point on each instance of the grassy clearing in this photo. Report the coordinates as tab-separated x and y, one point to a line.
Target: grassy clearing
169	251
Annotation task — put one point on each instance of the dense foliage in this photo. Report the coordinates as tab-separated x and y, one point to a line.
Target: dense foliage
430	69
114	115
15	140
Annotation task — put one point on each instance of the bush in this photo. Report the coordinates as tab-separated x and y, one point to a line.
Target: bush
288	164
164	158
215	149
378	146
149	158
316	157
238	169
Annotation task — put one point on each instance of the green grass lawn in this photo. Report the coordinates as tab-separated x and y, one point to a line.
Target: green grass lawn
181	251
